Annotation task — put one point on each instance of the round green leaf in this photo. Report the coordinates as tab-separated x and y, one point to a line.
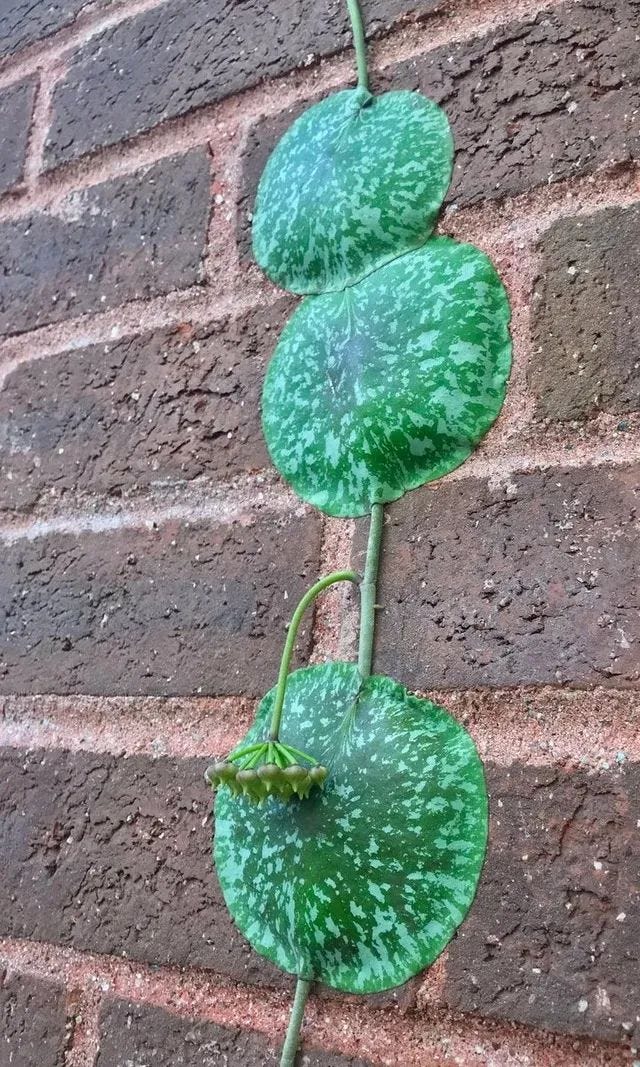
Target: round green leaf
356	181
363	884
391	383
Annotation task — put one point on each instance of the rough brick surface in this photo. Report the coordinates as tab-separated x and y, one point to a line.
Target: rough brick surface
553	938
128	238
112	855
165	63
533	580
34	1022
529	103
130	1035
22	22
16	107
587	316
159	409
536	102
176	610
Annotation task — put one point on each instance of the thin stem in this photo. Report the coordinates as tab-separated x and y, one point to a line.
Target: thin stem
357	28
368	591
292	1039
331	579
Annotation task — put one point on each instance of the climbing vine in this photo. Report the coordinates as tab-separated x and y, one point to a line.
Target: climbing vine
351	822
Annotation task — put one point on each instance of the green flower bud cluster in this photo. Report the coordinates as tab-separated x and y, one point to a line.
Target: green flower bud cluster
266	769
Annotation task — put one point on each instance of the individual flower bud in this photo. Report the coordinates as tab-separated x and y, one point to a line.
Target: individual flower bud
294	774
318	774
303	787
220	773
269	774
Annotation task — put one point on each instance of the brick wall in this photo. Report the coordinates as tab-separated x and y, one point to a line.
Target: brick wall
151	557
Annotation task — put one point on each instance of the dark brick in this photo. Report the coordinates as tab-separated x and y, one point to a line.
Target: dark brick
23	22
163	408
132	1034
169	61
534	580
16	108
126	239
587	316
34	1021
553	939
510	98
112	855
180	609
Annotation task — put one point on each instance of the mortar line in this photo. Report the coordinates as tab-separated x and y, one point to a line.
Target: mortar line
492	227
83	1007
226	503
201	308
331	611
244	108
342	1025
535	724
458	16
47	51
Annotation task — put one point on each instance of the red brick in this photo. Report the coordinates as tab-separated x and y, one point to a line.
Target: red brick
175	610
166	62
113	855
130	1033
587	316
161	409
16	107
553	938
510	98
35	1029
126	239
24	22
530	580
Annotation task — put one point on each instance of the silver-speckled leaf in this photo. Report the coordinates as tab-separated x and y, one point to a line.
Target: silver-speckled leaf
363	884
391	383
356	181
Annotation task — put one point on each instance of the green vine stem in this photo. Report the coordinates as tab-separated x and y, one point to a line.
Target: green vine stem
357	27
292	1040
285	663
368	589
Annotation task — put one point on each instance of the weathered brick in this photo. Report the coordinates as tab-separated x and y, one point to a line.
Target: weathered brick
529	103
531	580
130	1033
112	855
587	316
34	1022
166	407
23	22
129	238
180	609
553	938
169	61
16	108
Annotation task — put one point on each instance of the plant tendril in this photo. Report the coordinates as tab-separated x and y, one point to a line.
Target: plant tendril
285	663
368	591
357	28
292	1040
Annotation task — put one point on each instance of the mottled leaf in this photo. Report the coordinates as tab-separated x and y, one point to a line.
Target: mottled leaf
355	182
363	884
391	383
